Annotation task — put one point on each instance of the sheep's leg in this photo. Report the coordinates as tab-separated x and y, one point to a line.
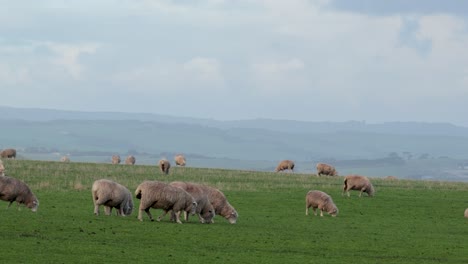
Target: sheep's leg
107	210
177	214
186	216
172	216
307	210
162	215
96	209
315	210
9	205
321	212
147	210
201	219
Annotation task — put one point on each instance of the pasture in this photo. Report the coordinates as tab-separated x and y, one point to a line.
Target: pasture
406	221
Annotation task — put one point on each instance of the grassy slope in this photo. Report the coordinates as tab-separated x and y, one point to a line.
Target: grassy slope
407	221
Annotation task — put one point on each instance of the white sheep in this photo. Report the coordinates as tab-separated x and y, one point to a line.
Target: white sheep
220	203
205	209
159	195
111	195
130	160
115	159
14	190
285	165
322	201
360	183
179	160
164	166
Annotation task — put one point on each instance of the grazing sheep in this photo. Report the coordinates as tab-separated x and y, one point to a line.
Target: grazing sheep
220	203
164	166
8	153
111	195
205	209
159	195
466	213
322	201
179	160
285	165
12	190
360	183
116	159
130	160
325	169
65	159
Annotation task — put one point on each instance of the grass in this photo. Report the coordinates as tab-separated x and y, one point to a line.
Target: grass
407	221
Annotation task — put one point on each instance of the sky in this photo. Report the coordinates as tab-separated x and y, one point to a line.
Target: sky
310	60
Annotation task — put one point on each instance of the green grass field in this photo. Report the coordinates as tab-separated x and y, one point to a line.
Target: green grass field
406	222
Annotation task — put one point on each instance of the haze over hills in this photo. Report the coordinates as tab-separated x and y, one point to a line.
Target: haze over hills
347	143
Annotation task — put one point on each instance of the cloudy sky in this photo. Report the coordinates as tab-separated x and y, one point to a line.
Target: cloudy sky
311	60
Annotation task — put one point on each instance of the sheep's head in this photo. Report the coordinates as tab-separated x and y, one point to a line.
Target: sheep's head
333	211
232	217
370	190
33	205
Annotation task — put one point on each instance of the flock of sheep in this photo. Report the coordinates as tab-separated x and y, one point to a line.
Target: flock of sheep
177	197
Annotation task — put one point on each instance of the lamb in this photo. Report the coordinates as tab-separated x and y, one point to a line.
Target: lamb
130	160
285	165
220	203
65	159
116	159
164	166
322	201
325	169
111	195
179	160
205	209
8	153
12	190
159	195
360	183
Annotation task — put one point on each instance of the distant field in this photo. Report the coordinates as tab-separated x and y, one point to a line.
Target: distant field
406	222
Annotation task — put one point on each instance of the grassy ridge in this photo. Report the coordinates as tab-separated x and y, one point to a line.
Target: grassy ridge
407	221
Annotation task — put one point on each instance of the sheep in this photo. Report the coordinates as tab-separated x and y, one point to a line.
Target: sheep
164	166
111	195
325	169
220	203
322	201
8	153
285	165
205	209
2	169
179	160
466	213
159	195
360	183
116	159
12	190
130	160
65	159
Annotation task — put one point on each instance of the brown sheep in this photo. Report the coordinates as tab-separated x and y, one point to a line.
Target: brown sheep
111	195
179	160
360	183
130	160
65	159
159	195
325	169
116	159
466	213
322	201
205	209
12	190
285	165
164	166
220	203
8	153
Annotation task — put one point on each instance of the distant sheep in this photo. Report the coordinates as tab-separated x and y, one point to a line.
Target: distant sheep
8	153
111	195
2	169
65	159
220	203
285	165
322	201
205	209
179	160
12	190
325	169
130	160
159	195
359	183
164	166
466	213
116	159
